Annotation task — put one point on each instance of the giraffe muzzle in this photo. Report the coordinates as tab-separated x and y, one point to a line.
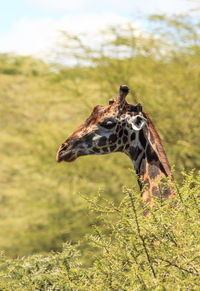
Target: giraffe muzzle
65	155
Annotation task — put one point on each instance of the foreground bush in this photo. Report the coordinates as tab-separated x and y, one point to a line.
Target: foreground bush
41	104
161	251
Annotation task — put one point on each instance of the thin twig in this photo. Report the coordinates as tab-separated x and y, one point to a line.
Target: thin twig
178	267
141	237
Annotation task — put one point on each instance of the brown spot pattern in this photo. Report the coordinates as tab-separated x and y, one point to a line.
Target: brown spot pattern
102	141
153	171
133	136
155	191
112	138
143	167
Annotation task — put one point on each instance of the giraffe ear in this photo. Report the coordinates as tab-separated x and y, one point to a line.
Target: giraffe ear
123	92
137	122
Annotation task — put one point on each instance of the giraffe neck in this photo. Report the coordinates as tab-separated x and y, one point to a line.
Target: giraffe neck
150	163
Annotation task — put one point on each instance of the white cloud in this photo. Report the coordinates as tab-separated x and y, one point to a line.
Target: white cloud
39	36
166	6
116	6
28	37
59	4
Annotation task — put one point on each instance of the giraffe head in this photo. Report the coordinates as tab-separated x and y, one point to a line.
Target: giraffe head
108	129
122	127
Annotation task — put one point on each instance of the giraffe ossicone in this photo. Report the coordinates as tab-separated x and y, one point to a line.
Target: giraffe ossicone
123	127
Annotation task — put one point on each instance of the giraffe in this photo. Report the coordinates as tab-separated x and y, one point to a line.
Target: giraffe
122	127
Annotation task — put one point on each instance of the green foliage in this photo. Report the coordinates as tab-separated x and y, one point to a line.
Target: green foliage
41	105
160	251
16	65
55	272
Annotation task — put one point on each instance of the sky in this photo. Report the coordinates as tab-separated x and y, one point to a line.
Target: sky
31	27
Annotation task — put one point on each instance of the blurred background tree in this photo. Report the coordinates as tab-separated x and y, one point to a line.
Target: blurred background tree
41	104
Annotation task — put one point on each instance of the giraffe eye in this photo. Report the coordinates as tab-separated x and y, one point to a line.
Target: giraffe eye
108	124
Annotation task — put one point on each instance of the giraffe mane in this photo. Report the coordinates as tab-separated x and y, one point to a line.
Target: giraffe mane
159	146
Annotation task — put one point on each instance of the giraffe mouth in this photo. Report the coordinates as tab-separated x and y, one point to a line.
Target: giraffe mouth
68	156
71	159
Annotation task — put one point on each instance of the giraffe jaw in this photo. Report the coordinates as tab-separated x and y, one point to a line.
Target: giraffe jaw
73	158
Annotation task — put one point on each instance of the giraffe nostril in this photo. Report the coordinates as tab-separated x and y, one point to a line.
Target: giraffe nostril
63	148
61	152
